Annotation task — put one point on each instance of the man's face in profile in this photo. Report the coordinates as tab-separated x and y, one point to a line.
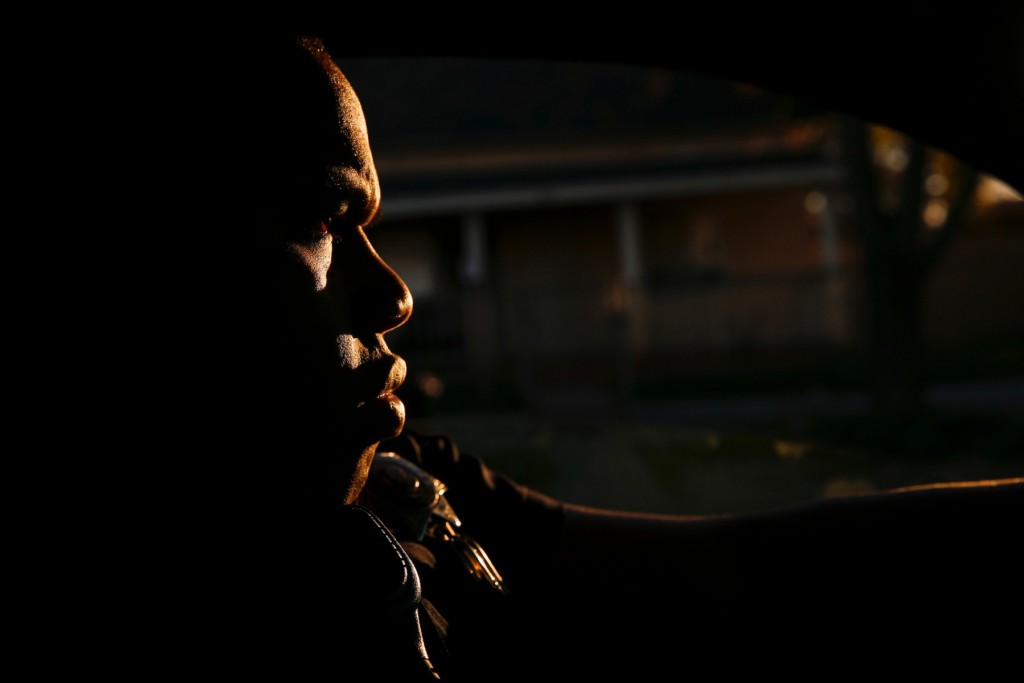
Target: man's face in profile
320	296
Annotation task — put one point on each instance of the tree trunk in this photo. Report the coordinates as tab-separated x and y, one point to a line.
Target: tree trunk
899	255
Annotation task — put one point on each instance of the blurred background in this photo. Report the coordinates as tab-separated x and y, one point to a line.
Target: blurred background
661	291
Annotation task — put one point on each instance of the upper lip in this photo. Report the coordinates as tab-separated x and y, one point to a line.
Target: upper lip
379	377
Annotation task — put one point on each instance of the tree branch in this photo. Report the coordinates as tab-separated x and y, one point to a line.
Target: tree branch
955	219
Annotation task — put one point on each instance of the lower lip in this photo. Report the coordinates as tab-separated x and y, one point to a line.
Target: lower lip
382	417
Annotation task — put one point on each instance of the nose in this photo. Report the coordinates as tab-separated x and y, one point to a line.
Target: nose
378	299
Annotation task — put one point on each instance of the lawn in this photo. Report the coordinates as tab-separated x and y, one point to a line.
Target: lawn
668	467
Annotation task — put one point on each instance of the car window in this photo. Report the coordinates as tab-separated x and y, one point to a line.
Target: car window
657	290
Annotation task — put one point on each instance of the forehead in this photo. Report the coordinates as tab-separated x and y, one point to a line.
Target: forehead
302	118
303	100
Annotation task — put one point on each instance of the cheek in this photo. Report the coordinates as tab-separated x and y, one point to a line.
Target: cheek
316	259
351	352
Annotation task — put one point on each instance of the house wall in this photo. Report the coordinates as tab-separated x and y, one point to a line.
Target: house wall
554	279
743	270
747	273
976	293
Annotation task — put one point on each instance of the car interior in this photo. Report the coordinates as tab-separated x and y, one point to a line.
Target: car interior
728	263
622	256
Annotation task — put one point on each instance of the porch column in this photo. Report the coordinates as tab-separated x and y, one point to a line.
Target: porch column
630	337
479	318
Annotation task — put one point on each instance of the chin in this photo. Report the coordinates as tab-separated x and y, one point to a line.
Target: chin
378	420
355	478
331	448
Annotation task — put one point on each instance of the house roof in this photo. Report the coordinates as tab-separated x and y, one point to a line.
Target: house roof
452	135
953	79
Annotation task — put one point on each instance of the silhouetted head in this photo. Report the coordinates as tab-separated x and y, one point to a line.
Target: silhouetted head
306	301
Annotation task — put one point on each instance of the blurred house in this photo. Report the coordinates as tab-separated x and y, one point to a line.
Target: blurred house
588	231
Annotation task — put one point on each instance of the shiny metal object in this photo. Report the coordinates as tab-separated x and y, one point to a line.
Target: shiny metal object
412	502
